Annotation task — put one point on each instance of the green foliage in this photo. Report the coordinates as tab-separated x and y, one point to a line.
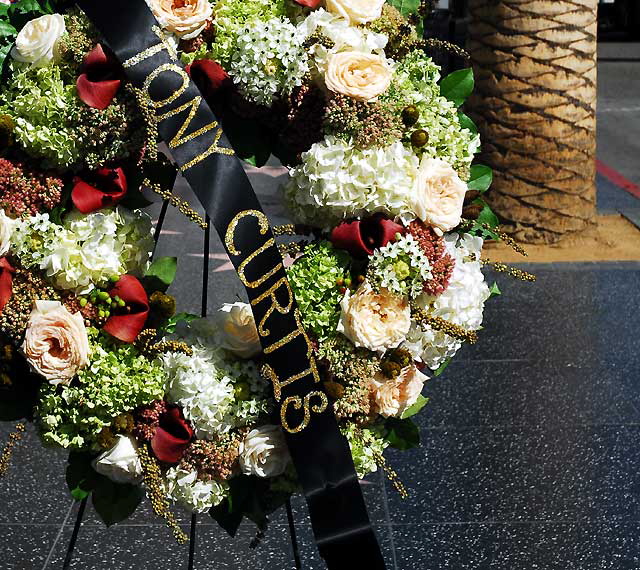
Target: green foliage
172	323
417	407
405	7
442	367
467	123
494	290
481	178
457	86
402	434
160	274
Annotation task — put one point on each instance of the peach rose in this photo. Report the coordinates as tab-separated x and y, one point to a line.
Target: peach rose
392	398
356	11
439	195
362	76
56	343
377	321
184	18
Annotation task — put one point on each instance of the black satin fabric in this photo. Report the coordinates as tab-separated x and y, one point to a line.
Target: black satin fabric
320	453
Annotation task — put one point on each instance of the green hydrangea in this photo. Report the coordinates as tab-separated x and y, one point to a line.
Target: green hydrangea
117	380
314	279
366	444
416	83
230	17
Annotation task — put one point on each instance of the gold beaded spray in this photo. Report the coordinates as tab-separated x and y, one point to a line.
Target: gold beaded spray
511	271
156	494
176	202
7	453
440	324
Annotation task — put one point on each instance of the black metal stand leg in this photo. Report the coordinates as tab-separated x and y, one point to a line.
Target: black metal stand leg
205	267
74	535
161	217
192	541
294	538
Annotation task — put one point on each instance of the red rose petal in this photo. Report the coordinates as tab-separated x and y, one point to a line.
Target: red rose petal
209	76
309	3
109	186
348	236
100	80
361	238
126	326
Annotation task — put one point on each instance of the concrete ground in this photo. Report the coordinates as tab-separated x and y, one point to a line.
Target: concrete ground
530	443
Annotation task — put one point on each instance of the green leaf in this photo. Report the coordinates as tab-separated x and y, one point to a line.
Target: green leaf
442	367
457	86
488	217
481	178
466	122
161	273
6	29
172	323
413	410
80	475
4	10
403	434
115	502
495	290
405	7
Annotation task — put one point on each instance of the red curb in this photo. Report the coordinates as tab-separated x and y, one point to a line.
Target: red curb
617	178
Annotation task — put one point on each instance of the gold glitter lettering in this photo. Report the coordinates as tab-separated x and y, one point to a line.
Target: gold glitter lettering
213	149
180	137
298	404
275	305
167	68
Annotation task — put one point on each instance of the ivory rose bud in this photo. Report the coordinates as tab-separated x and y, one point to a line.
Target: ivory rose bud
377	321
184	18
393	397
264	452
121	463
56	343
37	41
362	76
7	225
238	332
438	197
356	11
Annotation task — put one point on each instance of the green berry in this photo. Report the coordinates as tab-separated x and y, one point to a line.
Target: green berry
83	302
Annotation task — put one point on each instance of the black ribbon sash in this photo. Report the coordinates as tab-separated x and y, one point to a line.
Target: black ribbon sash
320	453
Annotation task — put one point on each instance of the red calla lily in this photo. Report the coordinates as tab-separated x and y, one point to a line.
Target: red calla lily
172	436
361	237
100	79
308	3
6	282
210	77
127	323
107	187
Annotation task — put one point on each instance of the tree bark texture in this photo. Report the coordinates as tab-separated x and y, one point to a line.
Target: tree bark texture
535	103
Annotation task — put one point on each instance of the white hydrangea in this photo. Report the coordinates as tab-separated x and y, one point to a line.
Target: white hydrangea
269	60
337	181
88	249
400	266
365	445
205	385
184	488
462	303
343	36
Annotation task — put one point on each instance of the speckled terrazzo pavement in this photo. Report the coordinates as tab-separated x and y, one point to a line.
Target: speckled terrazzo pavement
529	460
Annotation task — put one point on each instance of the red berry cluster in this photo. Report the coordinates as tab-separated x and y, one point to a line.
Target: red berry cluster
442	263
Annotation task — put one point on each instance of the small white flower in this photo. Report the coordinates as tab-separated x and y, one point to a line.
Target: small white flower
184	488
7	226
37	41
264	452
120	463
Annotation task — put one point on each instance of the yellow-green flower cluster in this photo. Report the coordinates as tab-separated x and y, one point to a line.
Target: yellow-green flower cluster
117	380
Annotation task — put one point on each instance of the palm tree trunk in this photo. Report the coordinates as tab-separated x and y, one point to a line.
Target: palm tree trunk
535	100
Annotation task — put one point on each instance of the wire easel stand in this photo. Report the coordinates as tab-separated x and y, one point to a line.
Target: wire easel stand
194	518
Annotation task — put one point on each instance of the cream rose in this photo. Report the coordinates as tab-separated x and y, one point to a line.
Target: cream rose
362	76
7	225
356	11
264	452
238	332
121	463
56	343
377	321
37	41
438	196
184	18
392	398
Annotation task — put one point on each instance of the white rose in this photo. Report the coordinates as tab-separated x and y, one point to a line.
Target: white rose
184	18
7	225
362	76
393	397
438	196
56	343
121	463
377	321
238	332
356	11
37	41
264	452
